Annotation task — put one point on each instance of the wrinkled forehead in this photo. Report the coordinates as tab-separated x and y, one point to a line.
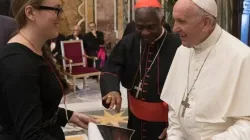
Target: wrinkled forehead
77	28
146	16
185	9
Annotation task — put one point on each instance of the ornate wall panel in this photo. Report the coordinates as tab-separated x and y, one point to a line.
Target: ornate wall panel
120	18
90	12
70	16
105	17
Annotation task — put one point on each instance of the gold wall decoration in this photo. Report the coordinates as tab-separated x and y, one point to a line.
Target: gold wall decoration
81	12
105	17
71	16
90	11
120	18
107	14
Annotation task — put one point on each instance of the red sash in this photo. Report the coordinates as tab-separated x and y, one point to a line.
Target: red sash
152	112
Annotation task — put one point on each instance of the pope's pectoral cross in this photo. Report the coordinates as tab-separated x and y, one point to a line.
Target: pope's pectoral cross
138	88
185	106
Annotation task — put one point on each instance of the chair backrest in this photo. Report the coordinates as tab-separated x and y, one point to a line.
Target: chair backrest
7	27
73	50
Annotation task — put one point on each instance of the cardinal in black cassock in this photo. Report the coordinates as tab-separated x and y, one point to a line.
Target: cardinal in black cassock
141	61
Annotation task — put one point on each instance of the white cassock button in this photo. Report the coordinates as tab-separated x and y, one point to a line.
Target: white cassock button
197	60
196	69
189	125
192	98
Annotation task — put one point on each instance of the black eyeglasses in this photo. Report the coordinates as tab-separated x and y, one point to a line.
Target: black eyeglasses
58	10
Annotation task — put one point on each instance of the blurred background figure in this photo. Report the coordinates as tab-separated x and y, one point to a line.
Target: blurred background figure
55	47
76	34
5	7
93	45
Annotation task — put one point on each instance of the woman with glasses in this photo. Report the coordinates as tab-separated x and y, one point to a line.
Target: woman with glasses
31	86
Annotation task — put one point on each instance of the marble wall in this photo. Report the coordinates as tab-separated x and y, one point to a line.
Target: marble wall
99	11
111	16
105	17
71	16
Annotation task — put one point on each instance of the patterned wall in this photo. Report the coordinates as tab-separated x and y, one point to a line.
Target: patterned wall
70	16
111	16
105	16
84	11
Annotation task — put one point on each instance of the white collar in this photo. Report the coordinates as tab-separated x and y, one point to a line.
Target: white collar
162	32
210	41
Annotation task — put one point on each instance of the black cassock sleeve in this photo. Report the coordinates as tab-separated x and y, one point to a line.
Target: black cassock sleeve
113	70
62	119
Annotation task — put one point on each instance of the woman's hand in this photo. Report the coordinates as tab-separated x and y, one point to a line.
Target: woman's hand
81	120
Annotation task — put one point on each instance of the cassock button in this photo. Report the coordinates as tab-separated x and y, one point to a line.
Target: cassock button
191	98
196	69
189	126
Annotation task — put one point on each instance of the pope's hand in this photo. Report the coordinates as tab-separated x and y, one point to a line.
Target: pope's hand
163	134
114	99
81	120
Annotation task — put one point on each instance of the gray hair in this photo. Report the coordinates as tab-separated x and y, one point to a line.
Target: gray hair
158	11
203	13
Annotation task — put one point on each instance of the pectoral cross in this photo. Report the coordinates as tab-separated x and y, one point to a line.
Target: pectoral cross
138	88
185	106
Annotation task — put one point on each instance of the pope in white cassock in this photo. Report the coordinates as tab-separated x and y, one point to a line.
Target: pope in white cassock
208	86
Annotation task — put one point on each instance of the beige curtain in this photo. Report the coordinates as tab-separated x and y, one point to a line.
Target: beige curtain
225	14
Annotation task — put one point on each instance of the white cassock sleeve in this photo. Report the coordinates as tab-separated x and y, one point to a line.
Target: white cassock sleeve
239	131
174	131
